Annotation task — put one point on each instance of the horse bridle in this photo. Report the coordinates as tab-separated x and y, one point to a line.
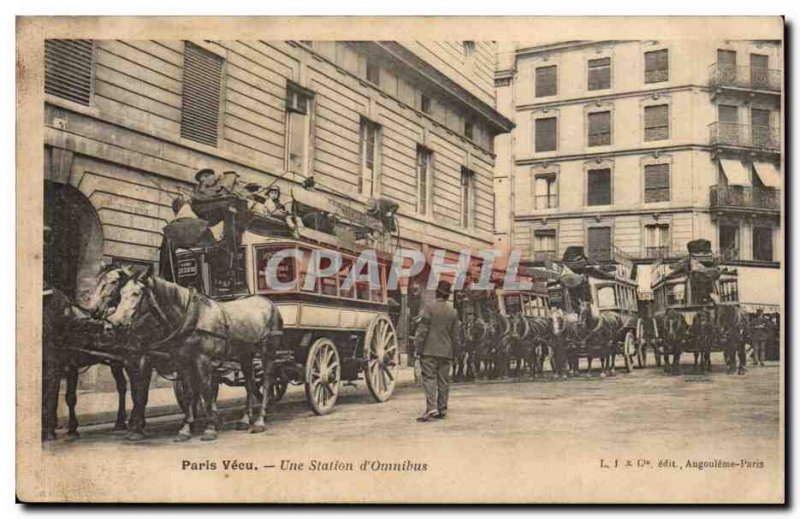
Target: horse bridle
161	316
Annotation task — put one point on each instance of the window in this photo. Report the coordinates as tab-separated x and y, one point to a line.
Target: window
298	128
656	123
545	191
546	134
373	73
599	187
370	138
424	159
729	240
467	197
599	247
469	48
759	71
606	297
599	74
656	66
656	240
469	128
425	104
728	114
762	243
656	183
68	69
760	121
544	244
600	129
202	92
546	82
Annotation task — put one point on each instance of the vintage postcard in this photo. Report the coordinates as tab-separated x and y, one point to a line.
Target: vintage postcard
400	260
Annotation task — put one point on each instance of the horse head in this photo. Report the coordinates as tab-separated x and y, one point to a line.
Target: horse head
584	315
106	294
130	296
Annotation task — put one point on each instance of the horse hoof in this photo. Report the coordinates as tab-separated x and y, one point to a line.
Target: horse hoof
48	437
182	437
73	435
120	427
258	429
209	436
242	426
135	437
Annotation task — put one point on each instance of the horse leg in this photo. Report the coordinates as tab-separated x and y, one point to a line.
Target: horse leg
122	390
72	400
246	362
51	382
140	392
742	357
260	424
205	383
190	387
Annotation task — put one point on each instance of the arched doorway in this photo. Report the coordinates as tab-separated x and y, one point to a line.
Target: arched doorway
74	248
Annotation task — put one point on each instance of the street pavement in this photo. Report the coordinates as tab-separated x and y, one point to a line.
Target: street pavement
580	429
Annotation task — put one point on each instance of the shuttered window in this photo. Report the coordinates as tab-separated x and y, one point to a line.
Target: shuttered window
68	69
202	90
546	83
759	70
762	243
599	187
369	157
545	243
656	66
467	197
656	123
599	129
726	58
546	134
656	183
599	246
728	113
599	74
424	160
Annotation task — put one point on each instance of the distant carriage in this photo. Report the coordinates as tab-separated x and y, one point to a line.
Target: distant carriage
696	306
597	311
332	334
528	330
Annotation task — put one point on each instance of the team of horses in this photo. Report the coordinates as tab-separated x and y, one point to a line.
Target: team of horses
137	323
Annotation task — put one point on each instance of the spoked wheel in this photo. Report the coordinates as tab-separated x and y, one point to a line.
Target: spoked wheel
323	376
628	350
641	352
383	358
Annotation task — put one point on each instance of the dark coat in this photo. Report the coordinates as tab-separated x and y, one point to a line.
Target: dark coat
439	331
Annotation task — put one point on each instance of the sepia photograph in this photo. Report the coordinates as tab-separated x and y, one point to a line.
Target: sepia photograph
401	260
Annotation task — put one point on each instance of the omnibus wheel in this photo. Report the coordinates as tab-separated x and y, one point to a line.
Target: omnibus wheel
323	376
383	358
628	350
641	352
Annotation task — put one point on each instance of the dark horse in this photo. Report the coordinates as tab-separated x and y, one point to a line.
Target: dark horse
69	337
701	334
729	331
598	332
164	319
672	331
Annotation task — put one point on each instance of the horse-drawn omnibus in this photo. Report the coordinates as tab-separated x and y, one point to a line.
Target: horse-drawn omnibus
332	333
696	284
597	313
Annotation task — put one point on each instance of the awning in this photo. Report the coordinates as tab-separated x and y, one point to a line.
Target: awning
735	172
768	173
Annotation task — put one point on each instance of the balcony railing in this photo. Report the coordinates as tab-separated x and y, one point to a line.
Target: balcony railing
745	135
727	254
546	201
749	78
745	197
657	252
544	255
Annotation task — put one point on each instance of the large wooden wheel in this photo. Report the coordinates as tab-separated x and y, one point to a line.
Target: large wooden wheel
323	376
641	352
628	350
383	358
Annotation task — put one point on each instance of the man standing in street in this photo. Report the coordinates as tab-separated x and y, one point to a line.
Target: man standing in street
759	333
436	341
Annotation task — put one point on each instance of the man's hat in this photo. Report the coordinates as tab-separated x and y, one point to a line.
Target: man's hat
443	289
204	173
271	189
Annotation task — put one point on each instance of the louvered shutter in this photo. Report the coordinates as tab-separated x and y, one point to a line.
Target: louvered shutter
656	123
599	186
728	113
656	183
546	81
546	134
656	66
599	73
599	128
726	58
68	69
599	243
202	85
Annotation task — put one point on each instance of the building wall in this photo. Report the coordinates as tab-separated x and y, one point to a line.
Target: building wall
689	150
125	153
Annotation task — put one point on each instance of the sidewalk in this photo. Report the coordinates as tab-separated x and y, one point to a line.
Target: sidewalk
95	408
